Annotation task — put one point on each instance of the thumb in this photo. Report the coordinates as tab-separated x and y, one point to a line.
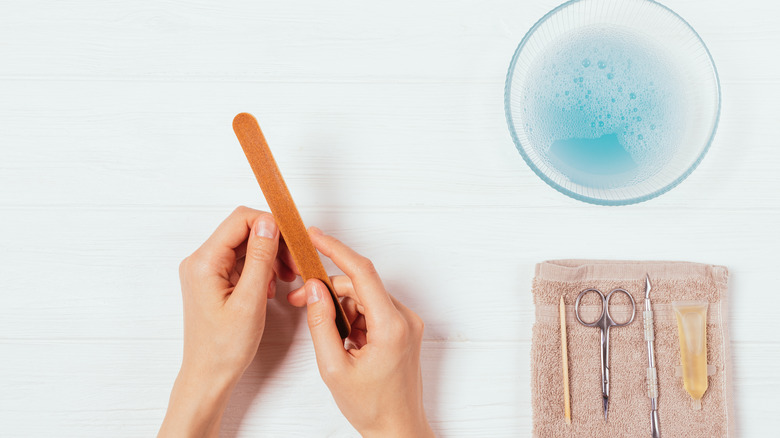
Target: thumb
321	316
261	252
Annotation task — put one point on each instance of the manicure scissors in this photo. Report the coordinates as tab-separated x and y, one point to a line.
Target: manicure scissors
604	323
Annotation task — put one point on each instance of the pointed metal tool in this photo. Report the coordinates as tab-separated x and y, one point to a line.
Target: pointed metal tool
652	376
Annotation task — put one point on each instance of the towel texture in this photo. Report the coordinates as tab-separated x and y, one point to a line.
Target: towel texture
629	406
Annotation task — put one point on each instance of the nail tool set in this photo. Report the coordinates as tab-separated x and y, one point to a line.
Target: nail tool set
690	319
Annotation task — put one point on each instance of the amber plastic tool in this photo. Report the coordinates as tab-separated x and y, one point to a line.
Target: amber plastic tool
283	208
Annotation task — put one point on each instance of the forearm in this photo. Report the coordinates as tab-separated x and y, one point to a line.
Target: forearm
196	406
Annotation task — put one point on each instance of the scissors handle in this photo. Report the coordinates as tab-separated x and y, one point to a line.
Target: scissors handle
605	319
598	320
612	322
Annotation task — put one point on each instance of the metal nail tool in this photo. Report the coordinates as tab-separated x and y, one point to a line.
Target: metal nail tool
604	323
652	376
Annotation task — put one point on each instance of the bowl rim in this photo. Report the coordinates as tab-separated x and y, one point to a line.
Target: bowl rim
578	196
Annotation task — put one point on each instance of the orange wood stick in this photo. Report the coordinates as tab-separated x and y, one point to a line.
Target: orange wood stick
283	208
565	363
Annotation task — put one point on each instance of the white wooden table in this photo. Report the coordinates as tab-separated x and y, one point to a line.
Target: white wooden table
117	159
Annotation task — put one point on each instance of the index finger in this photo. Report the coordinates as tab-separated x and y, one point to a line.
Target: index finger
234	230
368	286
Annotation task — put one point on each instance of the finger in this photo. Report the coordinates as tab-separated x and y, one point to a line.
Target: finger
283	271
409	315
399	305
234	276
233	231
359	323
368	286
321	317
357	338
240	250
297	297
281	265
343	288
413	320
253	285
350	310
271	294
286	257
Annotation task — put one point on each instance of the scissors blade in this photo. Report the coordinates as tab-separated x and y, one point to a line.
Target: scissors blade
606	405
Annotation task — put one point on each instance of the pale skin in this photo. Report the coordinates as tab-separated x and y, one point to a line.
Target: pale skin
374	376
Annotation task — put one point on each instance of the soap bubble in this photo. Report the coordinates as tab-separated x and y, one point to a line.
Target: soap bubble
586	62
632	95
602	65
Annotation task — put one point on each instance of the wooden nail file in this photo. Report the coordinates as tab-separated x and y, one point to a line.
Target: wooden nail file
283	208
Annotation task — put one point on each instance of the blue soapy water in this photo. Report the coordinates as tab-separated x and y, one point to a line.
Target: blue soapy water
601	156
608	126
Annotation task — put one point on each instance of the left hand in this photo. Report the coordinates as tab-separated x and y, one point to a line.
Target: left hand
225	286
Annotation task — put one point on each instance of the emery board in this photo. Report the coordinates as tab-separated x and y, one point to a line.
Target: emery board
283	208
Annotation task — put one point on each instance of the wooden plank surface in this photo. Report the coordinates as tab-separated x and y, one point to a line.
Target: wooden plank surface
117	159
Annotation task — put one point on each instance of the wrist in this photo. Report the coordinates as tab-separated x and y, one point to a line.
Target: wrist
196	404
419	429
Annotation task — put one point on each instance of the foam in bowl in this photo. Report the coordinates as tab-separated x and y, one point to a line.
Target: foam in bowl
603	106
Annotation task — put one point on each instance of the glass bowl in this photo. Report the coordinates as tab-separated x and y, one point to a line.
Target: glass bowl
612	102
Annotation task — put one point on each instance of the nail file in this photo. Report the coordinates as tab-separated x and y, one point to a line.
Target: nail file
283	208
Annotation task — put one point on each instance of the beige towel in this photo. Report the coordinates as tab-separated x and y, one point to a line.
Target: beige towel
629	406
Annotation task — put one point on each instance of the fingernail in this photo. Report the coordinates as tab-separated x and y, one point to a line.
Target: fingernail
313	293
266	227
316	230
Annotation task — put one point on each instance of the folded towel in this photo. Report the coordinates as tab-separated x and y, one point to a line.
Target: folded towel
629	405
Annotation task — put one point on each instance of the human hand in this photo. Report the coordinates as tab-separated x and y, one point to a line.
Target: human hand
376	379
225	286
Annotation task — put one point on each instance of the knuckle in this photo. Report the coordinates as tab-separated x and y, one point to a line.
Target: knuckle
261	252
184	266
241	209
418	325
194	266
329	371
316	318
397	329
365	266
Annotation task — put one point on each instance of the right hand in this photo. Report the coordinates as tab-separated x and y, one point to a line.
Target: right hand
376	379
